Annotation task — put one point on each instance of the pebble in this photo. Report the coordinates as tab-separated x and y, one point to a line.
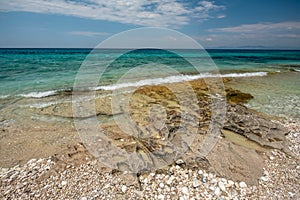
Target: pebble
196	183
161	185
230	183
242	184
185	190
124	188
222	186
264	178
63	183
213	181
217	191
179	162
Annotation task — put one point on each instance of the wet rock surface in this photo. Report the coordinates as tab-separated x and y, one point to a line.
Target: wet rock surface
255	127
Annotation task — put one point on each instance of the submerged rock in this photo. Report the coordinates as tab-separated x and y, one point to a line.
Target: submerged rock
236	96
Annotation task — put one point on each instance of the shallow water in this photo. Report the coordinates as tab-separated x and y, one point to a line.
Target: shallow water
276	94
242	141
37	73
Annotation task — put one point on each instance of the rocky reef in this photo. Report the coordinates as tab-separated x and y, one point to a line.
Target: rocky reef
178	116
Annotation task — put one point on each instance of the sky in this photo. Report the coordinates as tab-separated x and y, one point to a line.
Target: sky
271	24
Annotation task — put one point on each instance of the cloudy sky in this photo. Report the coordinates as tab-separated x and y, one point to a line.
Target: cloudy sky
214	24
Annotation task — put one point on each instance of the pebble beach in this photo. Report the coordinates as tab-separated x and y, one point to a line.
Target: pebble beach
46	178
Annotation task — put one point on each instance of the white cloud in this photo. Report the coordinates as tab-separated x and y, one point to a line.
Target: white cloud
221	16
162	13
87	33
261	28
274	35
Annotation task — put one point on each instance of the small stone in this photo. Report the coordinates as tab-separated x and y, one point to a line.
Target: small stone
266	173
212	188
146	180
124	188
106	186
196	183
242	184
169	181
222	186
161	196
185	190
291	194
83	198
271	157
264	178
171	170
230	183
200	172
63	183
152	174
217	191
179	162
213	181
161	185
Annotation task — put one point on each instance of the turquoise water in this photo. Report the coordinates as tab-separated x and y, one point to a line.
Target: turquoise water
271	76
38	72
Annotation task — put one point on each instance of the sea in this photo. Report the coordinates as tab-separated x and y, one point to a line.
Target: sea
271	76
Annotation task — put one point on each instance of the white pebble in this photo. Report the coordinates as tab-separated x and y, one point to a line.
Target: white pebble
152	174
213	181
230	183
179	162
196	183
169	181
124	188
264	178
161	185
83	198
266	173
200	172
242	184
161	196
63	183
217	191
222	186
185	190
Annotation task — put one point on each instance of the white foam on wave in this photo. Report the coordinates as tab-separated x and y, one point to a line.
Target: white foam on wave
298	70
42	105
39	94
174	79
4	96
248	74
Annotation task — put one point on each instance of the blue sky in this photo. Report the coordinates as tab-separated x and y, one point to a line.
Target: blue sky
214	24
